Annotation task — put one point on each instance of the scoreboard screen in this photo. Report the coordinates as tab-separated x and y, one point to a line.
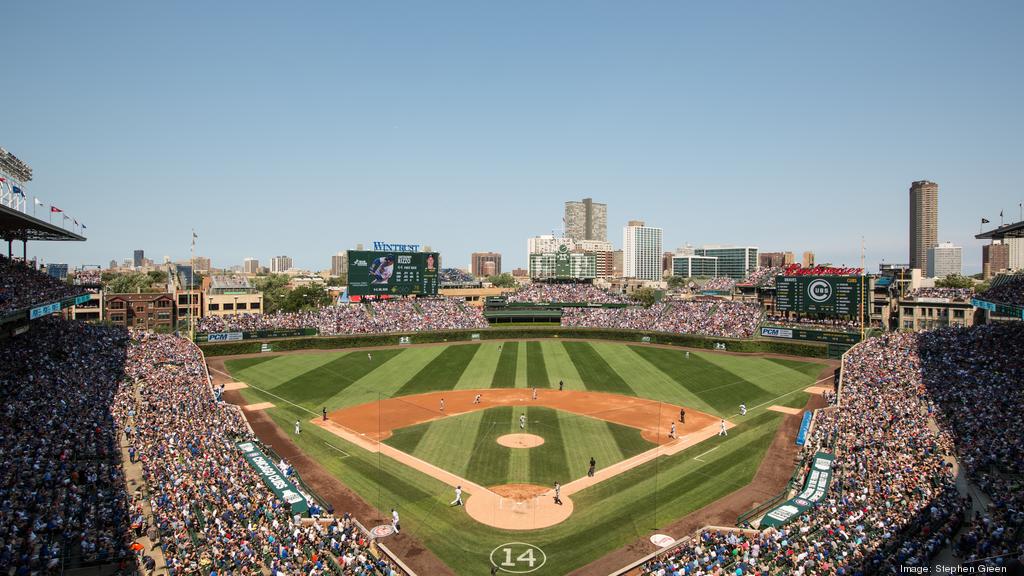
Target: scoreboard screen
394	273
825	295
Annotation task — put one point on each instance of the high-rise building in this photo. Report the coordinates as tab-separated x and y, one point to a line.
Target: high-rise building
617	267
924	221
641	251
139	258
586	220
251	266
808	260
1016	253
775	259
280	264
944	259
995	258
689	265
733	261
202	264
478	259
339	264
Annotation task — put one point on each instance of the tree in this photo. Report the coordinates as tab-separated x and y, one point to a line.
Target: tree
306	297
676	282
645	296
275	291
129	283
504	280
954	281
341	280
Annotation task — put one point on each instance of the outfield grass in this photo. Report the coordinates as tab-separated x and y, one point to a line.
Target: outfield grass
606	516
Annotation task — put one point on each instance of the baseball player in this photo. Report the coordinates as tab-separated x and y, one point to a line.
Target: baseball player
534	392
593	466
721	429
687	354
476	399
522	421
369	356
325	413
298	428
682	415
394	521
442	404
743	409
672	431
560	385
558	492
458	497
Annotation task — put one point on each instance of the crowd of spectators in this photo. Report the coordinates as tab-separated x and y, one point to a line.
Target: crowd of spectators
400	315
709	318
543	292
212	512
955	294
62	489
910	402
1006	290
764	277
23	287
455	276
721	283
88	276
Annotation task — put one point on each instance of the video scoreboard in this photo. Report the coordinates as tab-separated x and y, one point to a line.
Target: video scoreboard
825	295
395	273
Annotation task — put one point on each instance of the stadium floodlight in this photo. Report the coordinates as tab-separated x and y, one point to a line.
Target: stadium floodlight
14	166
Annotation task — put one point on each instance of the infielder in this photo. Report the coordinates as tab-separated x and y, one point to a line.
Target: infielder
522	421
743	409
560	385
672	431
721	429
558	492
298	428
458	497
476	399
394	521
534	392
442	404
325	413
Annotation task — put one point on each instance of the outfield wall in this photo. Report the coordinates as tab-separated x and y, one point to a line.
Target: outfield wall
801	349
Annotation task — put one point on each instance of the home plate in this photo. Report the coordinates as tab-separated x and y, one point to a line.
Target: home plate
662	540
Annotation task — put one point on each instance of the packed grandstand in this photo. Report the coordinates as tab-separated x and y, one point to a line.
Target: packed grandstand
914	410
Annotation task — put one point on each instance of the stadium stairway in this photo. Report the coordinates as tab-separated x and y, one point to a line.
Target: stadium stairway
136	486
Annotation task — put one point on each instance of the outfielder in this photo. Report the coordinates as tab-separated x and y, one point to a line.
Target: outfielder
458	496
743	409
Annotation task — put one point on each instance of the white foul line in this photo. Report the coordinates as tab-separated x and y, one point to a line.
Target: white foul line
346	454
269	393
697	458
773	399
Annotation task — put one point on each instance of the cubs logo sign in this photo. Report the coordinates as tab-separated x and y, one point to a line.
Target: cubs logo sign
382	530
819	290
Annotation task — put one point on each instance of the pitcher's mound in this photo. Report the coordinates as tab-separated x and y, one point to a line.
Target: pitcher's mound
520	440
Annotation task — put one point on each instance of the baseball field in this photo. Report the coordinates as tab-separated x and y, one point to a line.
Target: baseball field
388	438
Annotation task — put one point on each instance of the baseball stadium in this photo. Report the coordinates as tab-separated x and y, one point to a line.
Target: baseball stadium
771	425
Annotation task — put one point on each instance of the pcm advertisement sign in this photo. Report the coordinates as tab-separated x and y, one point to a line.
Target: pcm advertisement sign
393	273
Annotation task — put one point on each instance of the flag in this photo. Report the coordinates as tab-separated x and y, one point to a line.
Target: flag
1000	213
38	203
984	220
66	217
83	226
76	222
55	209
18	191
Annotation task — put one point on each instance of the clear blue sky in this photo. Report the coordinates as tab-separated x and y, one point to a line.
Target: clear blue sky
304	128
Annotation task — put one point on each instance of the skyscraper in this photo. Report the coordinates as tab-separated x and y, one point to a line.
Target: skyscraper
641	251
924	221
251	266
139	258
586	220
280	264
339	264
478	259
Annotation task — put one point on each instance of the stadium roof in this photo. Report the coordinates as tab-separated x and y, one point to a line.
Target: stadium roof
1015	230
15	225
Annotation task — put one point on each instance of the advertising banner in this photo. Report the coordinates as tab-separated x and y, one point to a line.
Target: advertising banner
274	478
41	311
395	273
810	335
223	336
815	488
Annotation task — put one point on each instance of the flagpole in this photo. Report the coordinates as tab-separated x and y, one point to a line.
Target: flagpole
191	288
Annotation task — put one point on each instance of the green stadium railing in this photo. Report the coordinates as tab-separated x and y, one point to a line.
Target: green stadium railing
753	346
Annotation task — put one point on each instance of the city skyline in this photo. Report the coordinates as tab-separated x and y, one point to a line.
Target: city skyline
644	109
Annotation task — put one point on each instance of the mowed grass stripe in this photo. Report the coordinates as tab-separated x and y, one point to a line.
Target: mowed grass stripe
488	463
548	462
628	440
436	440
560	367
536	370
505	373
313	387
239	364
646	379
480	371
718	388
280	368
442	373
771	378
586	438
596	374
